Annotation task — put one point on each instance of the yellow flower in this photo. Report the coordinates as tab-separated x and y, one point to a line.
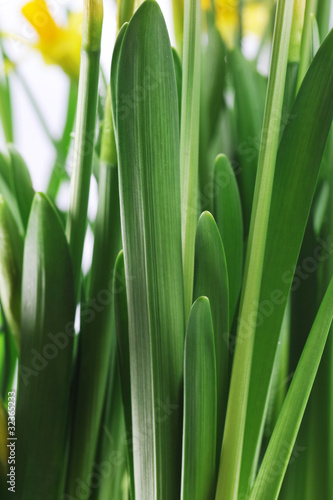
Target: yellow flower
57	45
255	16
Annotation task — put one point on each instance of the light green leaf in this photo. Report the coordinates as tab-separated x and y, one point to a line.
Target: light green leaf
179	77
211	280
96	339
269	479
199	433
189	140
148	151
228	216
45	369
297	167
16	187
11	261
211	100
250	89
121	317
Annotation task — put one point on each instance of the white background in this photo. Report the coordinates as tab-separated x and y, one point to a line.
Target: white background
48	83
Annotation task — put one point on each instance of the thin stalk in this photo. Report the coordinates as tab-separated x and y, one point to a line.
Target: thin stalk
323	17
124	12
231	455
306	41
59	172
189	140
178	23
84	133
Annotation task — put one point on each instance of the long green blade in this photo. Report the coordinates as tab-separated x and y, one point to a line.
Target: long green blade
11	261
298	163
269	479
231	454
199	433
95	337
45	367
16	187
121	319
189	140
148	150
228	216
211	280
84	133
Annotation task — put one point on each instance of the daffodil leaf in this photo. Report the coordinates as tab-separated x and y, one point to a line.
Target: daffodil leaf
189	141
11	261
211	99
110	461
114	75
269	479
200	406
121	317
125	11
16	187
179	77
298	163
45	368
250	90
211	280
97	334
147	128
228	216
6	107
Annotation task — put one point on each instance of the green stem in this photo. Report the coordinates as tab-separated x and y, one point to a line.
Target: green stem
59	172
84	133
189	141
231	455
125	12
306	41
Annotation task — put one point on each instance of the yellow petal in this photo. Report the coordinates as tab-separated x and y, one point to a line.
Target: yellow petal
38	15
255	18
206	4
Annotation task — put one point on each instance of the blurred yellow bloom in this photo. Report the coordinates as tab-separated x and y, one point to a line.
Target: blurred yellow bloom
58	45
255	16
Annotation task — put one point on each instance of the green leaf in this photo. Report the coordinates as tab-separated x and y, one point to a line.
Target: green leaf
121	317
211	280
189	140
45	367
231	454
179	78
250	89
211	100
11	261
95	340
199	433
16	187
84	134
298	163
110	462
148	151
269	479
228	216
114	75
124	12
